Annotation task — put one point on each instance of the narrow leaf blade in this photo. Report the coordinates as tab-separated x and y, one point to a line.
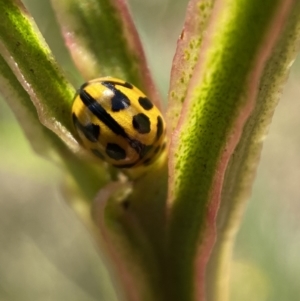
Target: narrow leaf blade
103	41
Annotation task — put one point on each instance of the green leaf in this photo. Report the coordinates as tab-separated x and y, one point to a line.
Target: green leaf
24	110
232	58
36	90
127	243
189	46
242	165
222	94
28	56
103	41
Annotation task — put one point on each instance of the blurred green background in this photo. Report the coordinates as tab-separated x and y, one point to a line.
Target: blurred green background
47	254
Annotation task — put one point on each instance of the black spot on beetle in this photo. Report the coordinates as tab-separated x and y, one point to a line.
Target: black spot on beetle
145	150
91	131
97	153
136	145
159	127
75	119
97	109
141	123
119	101
126	85
147	161
145	103
115	151
115	83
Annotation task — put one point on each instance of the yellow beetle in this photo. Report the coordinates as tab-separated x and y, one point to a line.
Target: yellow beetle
118	123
